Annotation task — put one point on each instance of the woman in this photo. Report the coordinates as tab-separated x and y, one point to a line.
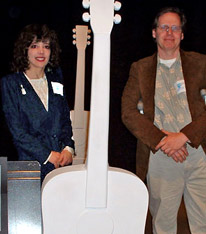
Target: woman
34	102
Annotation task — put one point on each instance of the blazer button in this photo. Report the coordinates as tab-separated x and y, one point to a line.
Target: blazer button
54	136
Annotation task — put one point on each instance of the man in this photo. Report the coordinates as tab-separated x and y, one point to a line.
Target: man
172	131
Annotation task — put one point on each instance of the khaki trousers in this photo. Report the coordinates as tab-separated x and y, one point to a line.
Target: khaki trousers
168	181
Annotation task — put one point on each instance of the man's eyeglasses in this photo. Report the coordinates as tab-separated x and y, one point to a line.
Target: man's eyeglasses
166	28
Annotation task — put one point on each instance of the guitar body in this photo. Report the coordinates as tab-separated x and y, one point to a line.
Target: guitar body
125	213
80	135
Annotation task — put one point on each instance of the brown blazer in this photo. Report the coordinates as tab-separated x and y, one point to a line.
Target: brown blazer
141	85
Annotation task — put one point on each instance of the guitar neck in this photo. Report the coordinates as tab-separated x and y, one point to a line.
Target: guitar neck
97	161
79	90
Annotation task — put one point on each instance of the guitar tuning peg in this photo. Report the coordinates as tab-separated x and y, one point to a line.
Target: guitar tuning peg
89	31
74	36
88	42
74	42
117	18
88	37
117	5
86	17
74	30
86	4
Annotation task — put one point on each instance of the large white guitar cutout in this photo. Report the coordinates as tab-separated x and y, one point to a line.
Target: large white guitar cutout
95	198
80	117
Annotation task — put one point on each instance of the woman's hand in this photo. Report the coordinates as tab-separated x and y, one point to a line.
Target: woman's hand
55	158
66	158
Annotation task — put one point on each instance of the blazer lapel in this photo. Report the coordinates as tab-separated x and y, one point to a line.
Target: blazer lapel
51	95
32	95
148	85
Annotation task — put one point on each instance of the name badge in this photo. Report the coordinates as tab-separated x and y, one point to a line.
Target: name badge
180	86
57	88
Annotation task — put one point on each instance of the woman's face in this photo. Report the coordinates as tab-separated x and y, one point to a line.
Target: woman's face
39	54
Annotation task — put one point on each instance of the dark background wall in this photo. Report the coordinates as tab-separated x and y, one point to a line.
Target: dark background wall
131	40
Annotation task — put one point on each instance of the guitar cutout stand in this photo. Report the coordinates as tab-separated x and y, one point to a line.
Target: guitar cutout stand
80	117
94	198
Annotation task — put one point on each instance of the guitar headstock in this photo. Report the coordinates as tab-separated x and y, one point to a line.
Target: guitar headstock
102	14
81	36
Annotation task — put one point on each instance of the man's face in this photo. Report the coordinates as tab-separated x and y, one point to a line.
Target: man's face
168	33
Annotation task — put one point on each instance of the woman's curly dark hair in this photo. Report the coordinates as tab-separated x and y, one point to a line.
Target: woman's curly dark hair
26	37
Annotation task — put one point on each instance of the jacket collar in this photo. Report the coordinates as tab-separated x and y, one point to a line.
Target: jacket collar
25	84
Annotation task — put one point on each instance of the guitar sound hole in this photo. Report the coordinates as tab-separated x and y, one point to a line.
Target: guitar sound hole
95	221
